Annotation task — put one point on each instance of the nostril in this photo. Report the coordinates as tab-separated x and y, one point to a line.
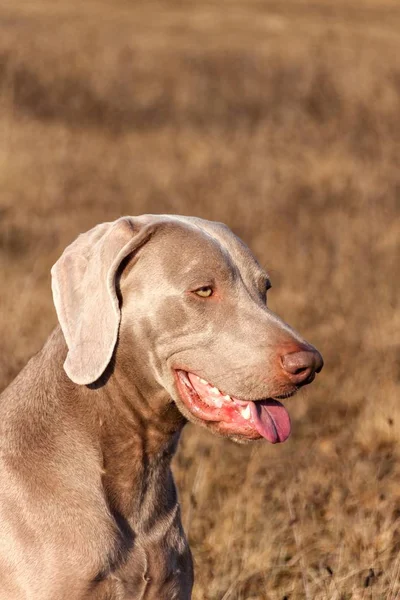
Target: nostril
297	362
301	366
300	370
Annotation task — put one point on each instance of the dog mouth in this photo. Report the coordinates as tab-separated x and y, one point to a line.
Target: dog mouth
252	419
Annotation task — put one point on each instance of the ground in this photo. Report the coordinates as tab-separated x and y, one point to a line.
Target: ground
282	120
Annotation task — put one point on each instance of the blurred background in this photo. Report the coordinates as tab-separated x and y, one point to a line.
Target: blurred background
281	119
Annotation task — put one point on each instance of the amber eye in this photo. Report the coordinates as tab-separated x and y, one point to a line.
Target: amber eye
204	292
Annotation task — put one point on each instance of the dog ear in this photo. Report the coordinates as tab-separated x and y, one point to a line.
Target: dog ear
85	296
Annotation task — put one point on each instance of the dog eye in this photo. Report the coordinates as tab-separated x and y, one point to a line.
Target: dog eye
267	287
204	292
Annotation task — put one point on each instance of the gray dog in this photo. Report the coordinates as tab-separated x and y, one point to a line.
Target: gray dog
163	319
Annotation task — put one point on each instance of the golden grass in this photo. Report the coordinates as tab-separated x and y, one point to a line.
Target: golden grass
282	120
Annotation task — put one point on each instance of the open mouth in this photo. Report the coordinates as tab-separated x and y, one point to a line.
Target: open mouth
265	418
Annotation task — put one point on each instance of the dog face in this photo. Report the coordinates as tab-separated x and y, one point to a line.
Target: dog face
190	314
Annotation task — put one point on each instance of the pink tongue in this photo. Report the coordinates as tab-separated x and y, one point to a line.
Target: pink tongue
271	420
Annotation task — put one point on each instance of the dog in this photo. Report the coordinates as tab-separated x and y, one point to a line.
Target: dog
162	320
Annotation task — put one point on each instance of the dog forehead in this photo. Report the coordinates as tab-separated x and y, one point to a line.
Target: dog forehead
213	235
180	246
235	250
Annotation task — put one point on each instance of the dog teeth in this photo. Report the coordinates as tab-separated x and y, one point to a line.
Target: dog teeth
246	412
218	398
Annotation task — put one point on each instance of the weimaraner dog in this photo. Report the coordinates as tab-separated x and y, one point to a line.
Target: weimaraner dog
163	320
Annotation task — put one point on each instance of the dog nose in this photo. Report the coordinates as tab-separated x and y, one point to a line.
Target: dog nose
301	366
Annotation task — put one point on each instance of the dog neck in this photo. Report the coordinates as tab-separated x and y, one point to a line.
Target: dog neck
137	430
139	436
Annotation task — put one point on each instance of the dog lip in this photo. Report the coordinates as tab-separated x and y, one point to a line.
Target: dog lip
283	396
186	377
253	419
183	373
227	414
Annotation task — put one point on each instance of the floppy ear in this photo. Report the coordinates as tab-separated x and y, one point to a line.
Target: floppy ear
85	297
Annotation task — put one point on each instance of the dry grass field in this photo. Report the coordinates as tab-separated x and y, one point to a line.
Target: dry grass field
281	119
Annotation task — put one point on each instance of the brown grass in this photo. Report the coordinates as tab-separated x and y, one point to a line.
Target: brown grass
283	120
